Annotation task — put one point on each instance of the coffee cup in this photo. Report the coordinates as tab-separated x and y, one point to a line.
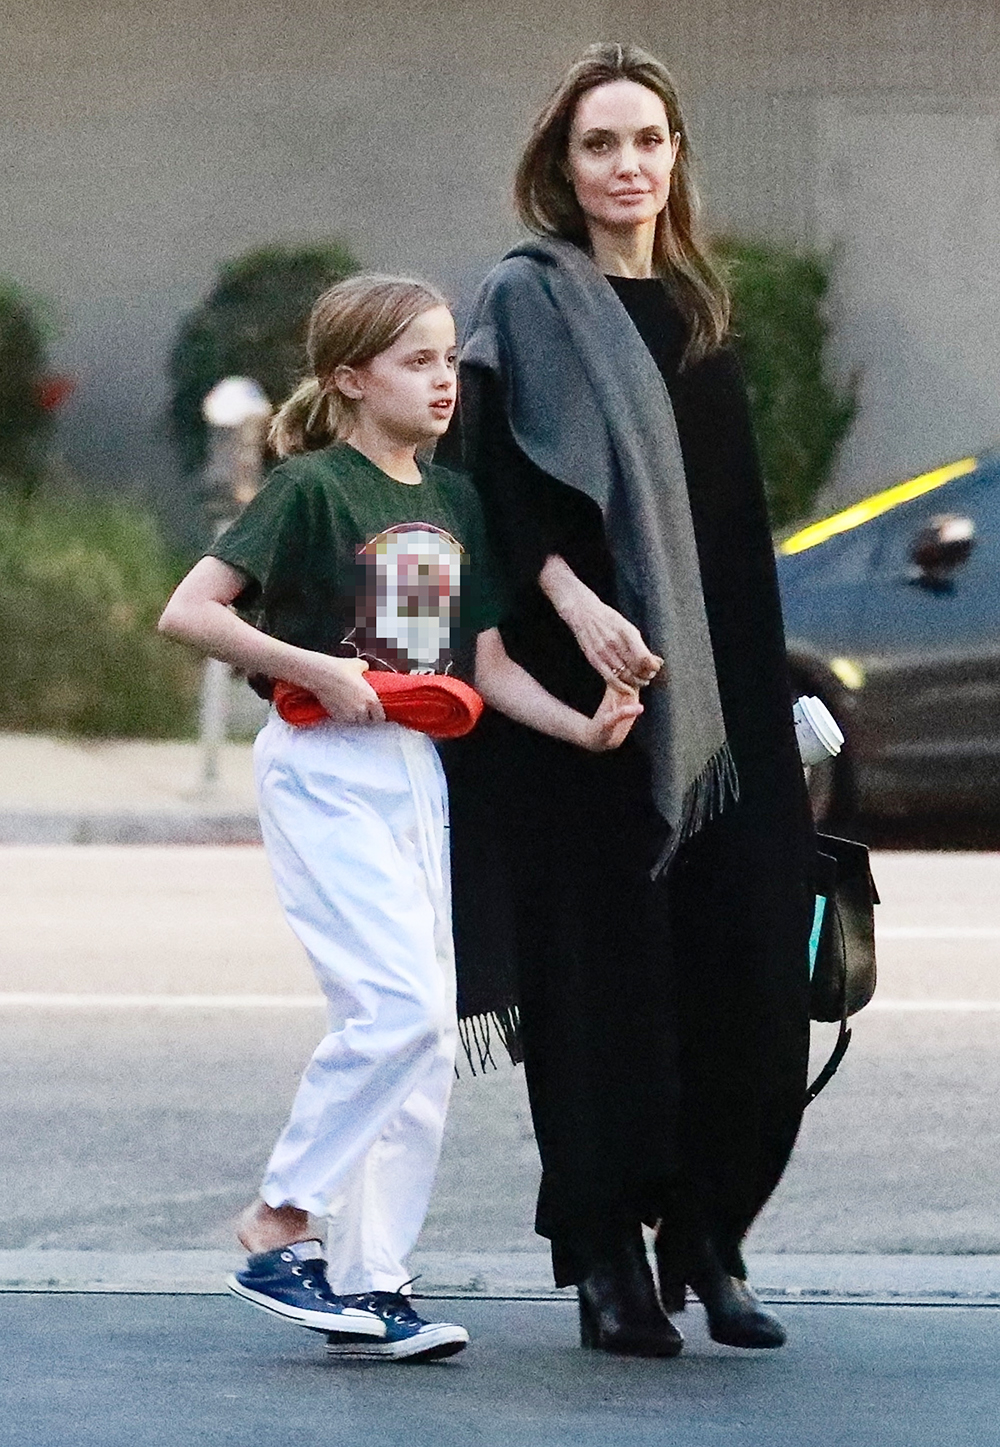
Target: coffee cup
816	731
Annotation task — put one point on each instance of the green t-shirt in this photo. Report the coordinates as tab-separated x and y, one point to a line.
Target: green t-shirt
341	558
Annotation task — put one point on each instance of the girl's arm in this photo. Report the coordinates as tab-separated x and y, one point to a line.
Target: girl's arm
509	688
198	613
610	643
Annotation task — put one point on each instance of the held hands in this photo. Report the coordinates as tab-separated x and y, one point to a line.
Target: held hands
340	686
612	723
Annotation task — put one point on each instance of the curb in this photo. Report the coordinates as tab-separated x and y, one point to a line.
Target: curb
24	826
847	1280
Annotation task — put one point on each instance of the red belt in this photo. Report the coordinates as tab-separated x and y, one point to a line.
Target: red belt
431	703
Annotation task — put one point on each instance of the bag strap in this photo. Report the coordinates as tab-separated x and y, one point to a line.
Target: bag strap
832	1065
843	1039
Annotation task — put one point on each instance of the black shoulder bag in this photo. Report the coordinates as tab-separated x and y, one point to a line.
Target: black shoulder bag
842	947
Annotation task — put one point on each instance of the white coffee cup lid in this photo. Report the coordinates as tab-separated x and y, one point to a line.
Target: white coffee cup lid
822	723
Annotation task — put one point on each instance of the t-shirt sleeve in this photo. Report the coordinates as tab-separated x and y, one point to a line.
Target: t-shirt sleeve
269	540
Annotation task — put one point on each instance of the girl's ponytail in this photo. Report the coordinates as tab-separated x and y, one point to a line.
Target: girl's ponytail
306	421
350	324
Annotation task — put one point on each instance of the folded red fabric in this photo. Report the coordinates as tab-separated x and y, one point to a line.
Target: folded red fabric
432	703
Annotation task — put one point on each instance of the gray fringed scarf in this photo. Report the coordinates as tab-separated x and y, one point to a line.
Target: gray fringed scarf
588	405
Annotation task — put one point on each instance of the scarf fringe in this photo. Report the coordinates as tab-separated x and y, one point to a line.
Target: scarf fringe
716	786
477	1031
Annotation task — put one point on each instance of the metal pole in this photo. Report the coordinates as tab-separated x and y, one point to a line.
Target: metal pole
237	412
213	716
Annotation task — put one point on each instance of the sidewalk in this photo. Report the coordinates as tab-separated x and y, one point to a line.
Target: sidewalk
782	1279
74	791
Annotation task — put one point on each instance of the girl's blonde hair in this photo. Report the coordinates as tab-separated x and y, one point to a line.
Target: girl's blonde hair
350	324
547	204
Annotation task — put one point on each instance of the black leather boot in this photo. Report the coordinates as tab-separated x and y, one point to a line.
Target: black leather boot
735	1316
619	1311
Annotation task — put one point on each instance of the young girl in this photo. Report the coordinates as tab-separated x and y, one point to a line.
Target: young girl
355	554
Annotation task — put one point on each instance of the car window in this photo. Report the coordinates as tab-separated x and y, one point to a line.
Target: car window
976	496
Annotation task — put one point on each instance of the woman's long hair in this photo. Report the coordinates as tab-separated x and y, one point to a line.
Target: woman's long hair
547	204
350	325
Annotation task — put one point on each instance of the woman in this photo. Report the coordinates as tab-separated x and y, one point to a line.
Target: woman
658	902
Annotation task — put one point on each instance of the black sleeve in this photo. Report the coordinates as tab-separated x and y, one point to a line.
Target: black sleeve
529	515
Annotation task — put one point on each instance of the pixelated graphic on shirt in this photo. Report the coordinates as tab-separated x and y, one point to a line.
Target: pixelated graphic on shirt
407	601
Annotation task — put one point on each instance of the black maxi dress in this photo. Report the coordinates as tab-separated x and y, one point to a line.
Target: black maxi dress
664	1024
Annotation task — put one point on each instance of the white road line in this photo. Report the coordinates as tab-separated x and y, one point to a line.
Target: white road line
54	1001
937	932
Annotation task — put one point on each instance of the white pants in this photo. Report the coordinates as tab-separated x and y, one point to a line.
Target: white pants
353	820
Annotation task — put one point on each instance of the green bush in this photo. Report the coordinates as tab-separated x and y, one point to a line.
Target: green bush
82	582
800	414
24	421
251	324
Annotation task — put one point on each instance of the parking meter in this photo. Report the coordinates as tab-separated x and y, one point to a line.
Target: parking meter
237	413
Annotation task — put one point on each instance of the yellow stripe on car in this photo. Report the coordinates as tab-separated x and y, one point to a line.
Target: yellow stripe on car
874	506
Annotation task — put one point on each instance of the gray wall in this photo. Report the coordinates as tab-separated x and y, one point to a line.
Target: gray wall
874	129
139	147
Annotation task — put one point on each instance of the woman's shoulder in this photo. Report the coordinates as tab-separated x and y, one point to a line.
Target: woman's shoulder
720	364
519	264
511	307
514	275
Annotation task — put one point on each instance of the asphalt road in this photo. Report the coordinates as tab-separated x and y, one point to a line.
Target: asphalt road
142	1127
120	1371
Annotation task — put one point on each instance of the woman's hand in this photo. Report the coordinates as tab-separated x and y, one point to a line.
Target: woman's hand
339	684
609	642
612	723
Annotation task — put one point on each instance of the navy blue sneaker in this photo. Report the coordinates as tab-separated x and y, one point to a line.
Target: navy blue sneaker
407	1336
282	1283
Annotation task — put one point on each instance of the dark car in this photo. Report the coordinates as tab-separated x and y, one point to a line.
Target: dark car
892	612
